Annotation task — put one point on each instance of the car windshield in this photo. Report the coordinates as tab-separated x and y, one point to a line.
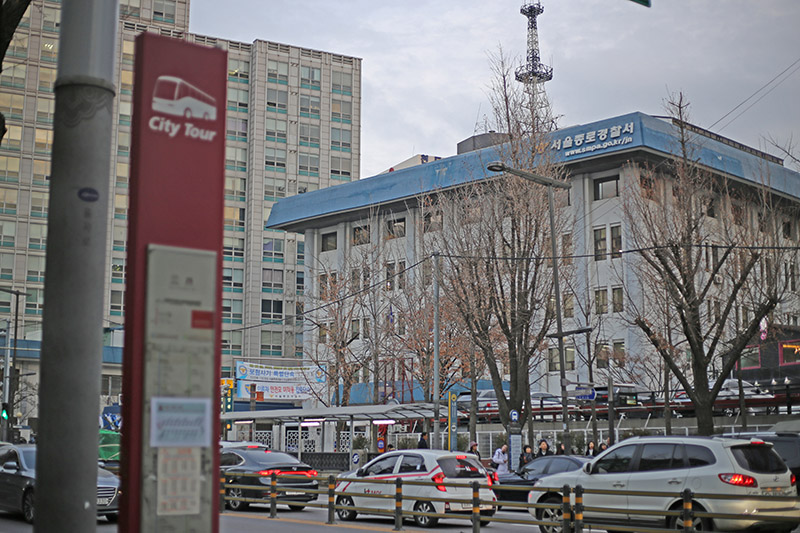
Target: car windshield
29	456
461	466
759	458
269	458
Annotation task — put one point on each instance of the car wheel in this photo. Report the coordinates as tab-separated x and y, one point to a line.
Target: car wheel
699	524
425	521
28	506
296	507
236	505
113	518
485	523
550	515
348	515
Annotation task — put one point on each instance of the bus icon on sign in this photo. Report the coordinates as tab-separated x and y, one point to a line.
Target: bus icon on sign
174	96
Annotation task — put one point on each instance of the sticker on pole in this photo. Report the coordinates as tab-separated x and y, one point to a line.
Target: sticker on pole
514	415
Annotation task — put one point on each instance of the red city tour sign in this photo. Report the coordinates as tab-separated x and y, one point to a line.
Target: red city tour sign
176	202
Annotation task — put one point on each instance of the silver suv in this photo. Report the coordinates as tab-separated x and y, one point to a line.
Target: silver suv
710	465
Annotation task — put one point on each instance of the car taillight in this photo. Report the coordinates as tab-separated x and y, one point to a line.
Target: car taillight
489	479
740	480
311	473
794	479
439	478
267	473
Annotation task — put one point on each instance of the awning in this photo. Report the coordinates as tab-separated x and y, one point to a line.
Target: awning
401	411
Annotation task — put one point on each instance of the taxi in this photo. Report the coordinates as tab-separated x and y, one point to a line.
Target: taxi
450	474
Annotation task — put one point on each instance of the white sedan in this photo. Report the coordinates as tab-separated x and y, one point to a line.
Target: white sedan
452	473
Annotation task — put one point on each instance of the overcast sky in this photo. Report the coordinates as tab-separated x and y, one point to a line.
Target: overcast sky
425	63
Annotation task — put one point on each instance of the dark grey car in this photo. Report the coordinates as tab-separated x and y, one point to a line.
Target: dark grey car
18	477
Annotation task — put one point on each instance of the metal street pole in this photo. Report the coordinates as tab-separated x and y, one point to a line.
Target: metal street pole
9	386
497	166
6	378
436	444
72	343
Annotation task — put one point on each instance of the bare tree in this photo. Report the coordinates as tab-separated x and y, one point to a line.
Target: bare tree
496	247
712	249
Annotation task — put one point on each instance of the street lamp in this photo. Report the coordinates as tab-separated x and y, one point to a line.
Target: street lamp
550	183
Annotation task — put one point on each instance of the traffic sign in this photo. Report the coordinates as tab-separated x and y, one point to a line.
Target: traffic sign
356	458
513	415
586	394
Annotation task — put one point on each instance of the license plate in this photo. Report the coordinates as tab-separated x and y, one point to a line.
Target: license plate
293	493
103	501
772	492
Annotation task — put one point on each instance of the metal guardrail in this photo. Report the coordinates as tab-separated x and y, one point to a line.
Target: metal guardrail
565	508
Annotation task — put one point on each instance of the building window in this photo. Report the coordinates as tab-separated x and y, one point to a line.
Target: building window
308	164
164	10
278	72
125	113
18	47
599	244
391	277
340	167
128	48
51	18
569	306
234	218
361	235
43	141
601	301
8	201
617	300
275	159
274	188
9	168
789	352
7	266
123	143
616	242
232	342
232	311
271	343
117	269
395	228
126	82
238	99
232	279
47	77
276	130
554	361
301	252
119	243
39	204
271	280
8	231
606	188
271	309
309	134
341	139
342	82
41	172
618	353
14	76
300	284
111	385
49	49
36	265
328	241
235	158
235	189
310	77
309	106
602	353
117	303
566	248
236	129
238	70
341	111
121	206
12	105
323	334
305	186
277	100
37	236
750	358
233	249
273	250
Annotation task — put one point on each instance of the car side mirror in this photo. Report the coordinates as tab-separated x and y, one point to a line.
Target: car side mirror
361	472
10	465
587	468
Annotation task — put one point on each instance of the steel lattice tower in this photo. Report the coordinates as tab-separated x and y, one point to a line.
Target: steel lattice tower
534	73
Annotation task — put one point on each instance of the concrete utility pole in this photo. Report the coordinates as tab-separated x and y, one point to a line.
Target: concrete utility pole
437	443
72	345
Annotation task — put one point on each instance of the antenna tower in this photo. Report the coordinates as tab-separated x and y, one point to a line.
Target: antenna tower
534	73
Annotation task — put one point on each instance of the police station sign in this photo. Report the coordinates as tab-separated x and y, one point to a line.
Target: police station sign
593	140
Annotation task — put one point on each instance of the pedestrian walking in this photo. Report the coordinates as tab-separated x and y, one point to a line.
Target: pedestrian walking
423	441
500	458
473	448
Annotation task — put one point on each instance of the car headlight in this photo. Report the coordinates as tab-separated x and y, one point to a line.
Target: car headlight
537	483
